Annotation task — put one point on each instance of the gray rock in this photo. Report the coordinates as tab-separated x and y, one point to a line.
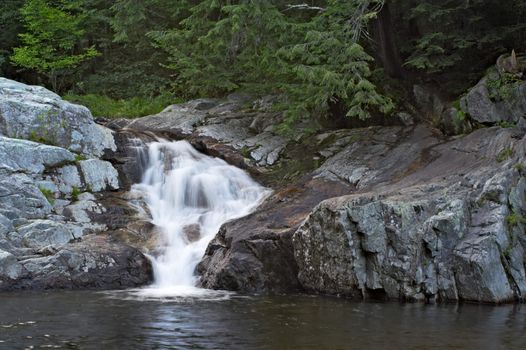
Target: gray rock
99	175
21	198
93	263
5	225
218	126
30	157
41	233
32	112
68	178
487	103
9	267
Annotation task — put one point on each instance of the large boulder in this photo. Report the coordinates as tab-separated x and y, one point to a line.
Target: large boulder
500	96
35	113
96	262
448	228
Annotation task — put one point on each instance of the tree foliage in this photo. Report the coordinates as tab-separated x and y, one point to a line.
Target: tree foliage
50	44
316	57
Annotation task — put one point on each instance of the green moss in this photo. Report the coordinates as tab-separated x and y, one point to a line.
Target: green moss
501	87
515	219
50	196
519	167
36	137
79	157
504	154
245	152
504	124
75	194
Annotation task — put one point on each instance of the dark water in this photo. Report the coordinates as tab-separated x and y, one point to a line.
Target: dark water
90	320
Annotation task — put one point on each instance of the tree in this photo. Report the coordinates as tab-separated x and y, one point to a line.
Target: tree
50	45
308	55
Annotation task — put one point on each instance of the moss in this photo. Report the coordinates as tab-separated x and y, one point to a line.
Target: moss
515	219
75	194
50	196
519	167
504	124
39	138
501	87
245	152
79	157
505	154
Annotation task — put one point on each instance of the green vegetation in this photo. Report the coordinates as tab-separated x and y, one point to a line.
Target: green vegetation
505	154
104	106
514	219
75	191
50	196
322	60
49	45
36	137
79	157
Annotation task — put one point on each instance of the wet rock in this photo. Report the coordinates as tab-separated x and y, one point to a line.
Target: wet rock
32	112
220	128
192	232
95	262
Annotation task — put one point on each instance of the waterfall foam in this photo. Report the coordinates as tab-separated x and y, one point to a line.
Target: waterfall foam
190	195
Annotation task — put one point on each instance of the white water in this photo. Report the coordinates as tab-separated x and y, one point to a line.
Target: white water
190	195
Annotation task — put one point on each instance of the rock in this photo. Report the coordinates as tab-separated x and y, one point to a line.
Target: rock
99	175
21	198
5	225
41	233
32	112
9	267
192	232
30	157
423	236
93	263
219	128
68	178
496	98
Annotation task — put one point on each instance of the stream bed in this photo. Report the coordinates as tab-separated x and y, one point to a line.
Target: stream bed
125	320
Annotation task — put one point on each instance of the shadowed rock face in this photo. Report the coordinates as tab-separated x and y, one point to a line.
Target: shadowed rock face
378	212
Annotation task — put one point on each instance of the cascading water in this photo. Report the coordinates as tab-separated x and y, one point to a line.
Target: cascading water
190	195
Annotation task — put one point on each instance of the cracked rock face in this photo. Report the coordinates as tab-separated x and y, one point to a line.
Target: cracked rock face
223	127
48	217
32	112
450	230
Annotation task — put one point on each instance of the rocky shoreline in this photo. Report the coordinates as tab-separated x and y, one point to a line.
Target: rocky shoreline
383	212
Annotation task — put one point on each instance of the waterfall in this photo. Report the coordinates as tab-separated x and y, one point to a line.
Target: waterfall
190	195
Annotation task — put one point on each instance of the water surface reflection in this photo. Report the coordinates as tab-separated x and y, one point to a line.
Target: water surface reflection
91	320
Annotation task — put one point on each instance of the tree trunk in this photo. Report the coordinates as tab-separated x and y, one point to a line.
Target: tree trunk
387	48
